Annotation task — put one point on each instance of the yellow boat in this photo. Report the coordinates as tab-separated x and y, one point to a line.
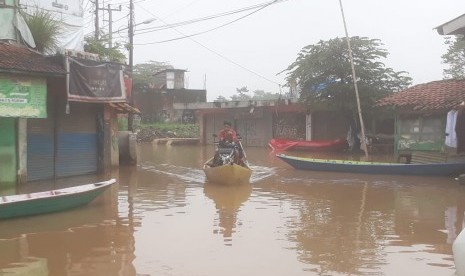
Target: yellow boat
229	174
228	171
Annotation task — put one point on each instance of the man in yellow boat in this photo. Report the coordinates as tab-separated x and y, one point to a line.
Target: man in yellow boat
227	134
228	140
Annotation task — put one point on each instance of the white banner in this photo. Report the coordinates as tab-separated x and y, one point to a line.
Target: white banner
7	30
70	12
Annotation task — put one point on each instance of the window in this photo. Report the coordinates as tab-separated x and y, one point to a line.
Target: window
169	79
421	132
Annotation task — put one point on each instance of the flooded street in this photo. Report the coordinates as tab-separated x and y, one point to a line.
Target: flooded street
163	219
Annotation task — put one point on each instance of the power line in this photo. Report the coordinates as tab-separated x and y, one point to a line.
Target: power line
182	23
182	8
126	2
110	22
107	25
87	4
262	5
218	54
218	27
168	26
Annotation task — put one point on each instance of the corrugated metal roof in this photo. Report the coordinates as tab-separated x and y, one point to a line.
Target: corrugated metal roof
432	96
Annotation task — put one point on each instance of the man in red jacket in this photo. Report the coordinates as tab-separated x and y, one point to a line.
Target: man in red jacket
228	139
227	134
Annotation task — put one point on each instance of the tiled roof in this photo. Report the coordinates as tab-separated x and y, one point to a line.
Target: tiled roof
21	58
432	96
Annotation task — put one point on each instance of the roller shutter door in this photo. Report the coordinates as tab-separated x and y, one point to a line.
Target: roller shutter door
40	149
255	132
77	141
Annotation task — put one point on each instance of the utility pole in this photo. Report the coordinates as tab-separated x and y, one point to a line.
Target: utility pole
131	60
131	33
96	21
354	77
110	23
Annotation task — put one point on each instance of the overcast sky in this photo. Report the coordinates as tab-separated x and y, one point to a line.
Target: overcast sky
253	50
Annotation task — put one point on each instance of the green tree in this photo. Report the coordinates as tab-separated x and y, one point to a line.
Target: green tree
45	29
262	95
241	94
98	46
455	58
323	72
143	72
221	99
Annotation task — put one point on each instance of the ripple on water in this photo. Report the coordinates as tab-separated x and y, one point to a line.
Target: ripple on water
189	175
192	175
259	173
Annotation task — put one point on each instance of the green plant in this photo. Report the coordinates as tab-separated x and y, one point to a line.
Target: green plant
181	130
454	58
97	46
123	123
45	29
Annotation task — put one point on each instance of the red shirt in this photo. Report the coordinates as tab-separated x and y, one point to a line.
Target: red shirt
228	135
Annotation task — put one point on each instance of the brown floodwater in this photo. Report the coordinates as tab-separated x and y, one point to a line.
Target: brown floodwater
163	219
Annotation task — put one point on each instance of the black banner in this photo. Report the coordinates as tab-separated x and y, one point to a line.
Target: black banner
92	81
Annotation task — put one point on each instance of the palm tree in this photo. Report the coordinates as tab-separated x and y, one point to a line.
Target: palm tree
45	29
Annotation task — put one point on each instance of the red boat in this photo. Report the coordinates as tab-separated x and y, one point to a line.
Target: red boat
314	145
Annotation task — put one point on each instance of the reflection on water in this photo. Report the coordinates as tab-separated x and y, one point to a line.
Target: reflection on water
29	266
163	219
228	200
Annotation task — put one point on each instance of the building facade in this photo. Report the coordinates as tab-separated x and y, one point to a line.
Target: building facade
156	101
422	115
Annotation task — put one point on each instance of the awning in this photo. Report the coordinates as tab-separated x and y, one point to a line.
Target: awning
454	27
124	108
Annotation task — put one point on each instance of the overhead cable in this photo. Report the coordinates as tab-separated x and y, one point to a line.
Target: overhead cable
218	27
163	27
215	52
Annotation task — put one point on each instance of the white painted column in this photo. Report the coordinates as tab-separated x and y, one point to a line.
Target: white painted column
308	127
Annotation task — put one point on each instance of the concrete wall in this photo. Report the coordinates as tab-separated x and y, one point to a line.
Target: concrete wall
255	128
110	144
255	131
157	104
329	125
114	140
127	147
289	125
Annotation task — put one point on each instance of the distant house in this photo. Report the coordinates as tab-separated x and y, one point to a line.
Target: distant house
454	27
167	88
421	114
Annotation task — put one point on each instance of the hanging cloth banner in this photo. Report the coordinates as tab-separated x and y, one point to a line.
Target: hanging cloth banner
95	82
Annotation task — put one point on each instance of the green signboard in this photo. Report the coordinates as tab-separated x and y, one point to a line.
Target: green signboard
24	97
